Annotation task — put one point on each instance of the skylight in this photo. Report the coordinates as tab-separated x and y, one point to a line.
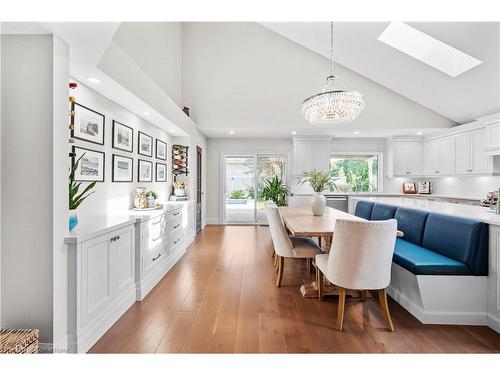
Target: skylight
427	49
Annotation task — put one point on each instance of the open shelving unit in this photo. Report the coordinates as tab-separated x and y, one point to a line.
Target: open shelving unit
180	160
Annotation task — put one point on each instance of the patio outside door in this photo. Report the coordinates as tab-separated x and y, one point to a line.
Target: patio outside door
245	177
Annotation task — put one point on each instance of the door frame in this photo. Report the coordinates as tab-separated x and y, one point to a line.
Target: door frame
222	178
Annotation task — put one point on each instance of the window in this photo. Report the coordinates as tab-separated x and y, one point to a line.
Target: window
355	172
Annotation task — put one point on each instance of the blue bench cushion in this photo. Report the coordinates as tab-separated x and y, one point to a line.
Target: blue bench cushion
364	209
383	211
412	223
421	261
463	240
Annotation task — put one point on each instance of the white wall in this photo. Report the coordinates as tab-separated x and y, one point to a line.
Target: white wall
112	197
33	86
156	48
242	75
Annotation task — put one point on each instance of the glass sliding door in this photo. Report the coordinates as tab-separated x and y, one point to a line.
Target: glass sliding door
239	191
244	179
268	167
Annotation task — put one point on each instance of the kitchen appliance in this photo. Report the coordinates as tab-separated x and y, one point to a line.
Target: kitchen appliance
338	202
424	187
491	201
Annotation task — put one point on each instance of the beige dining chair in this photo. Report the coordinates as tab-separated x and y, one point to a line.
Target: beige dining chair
360	259
286	246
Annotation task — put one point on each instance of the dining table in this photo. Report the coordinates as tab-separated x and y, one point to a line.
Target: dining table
300	222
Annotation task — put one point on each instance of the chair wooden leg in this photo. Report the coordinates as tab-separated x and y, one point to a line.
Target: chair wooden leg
276	262
364	295
341	308
382	296
308	266
281	264
319	282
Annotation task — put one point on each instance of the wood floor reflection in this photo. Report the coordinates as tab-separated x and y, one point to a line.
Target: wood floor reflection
221	298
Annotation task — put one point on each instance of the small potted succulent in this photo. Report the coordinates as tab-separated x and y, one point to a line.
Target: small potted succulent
151	197
180	188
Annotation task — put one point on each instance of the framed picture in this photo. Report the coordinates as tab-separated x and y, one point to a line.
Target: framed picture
161	172
409	188
161	150
145	171
145	145
88	125
122	169
123	137
91	165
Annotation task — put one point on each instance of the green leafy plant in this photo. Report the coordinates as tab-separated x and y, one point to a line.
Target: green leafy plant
319	180
275	190
75	198
237	194
251	192
152	194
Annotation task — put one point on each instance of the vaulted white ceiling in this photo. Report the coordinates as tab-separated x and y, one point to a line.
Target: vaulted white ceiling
473	94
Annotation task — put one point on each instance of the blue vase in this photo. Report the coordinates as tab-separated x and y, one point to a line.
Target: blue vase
73	219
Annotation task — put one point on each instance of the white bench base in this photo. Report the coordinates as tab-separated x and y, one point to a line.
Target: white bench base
435	299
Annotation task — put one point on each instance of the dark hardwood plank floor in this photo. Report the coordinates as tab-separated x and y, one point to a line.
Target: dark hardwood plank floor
221	298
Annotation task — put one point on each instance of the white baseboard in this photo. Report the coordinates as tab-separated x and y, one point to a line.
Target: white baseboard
493	323
213	220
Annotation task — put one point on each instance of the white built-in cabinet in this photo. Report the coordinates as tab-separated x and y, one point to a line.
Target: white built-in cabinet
309	154
407	158
460	153
101	284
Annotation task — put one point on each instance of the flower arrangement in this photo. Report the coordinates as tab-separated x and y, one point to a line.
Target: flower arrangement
179	184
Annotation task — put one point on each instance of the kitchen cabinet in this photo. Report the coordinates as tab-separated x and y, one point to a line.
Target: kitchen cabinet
310	154
101	284
407	156
470	153
439	157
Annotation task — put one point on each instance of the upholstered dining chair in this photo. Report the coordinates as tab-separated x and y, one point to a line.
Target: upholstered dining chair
286	246
360	259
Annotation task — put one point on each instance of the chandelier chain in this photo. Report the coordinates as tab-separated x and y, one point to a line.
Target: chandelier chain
331	48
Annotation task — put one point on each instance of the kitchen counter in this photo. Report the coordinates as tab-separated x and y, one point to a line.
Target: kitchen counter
90	227
472	212
423	196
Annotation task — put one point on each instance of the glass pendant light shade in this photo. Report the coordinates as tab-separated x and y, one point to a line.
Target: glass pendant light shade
332	106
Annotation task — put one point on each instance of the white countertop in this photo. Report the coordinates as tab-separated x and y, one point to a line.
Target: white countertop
94	226
425	196
471	212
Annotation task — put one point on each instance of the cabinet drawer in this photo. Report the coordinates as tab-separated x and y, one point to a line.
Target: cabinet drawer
173	215
174	238
173	224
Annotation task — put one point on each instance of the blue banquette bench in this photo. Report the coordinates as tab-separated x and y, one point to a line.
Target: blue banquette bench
433	243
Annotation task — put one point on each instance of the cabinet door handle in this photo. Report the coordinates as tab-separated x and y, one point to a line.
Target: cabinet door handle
156	223
177	226
408	172
113	239
177	213
175	242
156	257
156	239
117	238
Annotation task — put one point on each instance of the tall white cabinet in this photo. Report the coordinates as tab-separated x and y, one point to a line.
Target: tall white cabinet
407	158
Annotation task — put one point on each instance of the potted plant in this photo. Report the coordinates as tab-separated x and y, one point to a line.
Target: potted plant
274	190
76	198
151	197
179	188
319	181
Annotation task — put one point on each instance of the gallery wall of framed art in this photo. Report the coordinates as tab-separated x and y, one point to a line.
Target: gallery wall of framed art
118	146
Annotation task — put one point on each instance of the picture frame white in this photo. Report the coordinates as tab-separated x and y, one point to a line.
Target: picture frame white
161	172
122	137
145	144
144	171
161	150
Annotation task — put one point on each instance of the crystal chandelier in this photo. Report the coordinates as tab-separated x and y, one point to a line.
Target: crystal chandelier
332	106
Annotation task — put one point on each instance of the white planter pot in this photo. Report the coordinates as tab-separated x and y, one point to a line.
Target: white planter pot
318	204
179	192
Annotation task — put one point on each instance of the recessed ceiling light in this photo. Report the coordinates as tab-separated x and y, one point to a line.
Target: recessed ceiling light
173	130
94	80
419	133
231	132
293	133
356	132
146	113
427	49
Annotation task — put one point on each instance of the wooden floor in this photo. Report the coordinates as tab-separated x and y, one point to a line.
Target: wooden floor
221	298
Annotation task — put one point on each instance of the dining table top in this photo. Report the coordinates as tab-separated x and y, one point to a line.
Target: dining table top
301	222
